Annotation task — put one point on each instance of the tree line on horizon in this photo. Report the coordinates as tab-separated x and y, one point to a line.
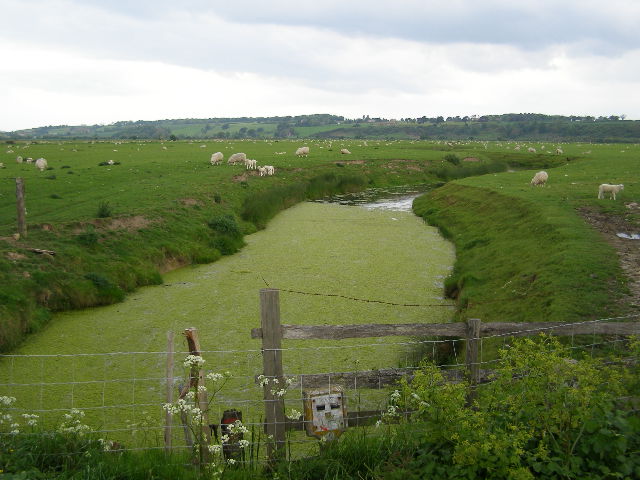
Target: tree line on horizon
504	127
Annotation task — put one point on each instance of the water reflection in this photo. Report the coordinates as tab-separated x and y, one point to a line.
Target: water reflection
396	199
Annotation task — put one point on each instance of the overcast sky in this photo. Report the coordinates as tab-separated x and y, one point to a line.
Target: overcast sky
99	61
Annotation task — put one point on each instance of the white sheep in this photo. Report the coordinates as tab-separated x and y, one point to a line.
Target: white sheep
540	178
559	151
19	159
251	164
1	165
237	158
531	150
270	169
344	151
302	151
216	158
262	171
607	188
41	164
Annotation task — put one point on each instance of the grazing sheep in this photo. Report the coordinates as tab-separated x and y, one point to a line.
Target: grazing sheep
344	151
216	158
41	164
19	159
237	158
251	164
262	171
270	169
540	178
559	151
611	189
2	165
302	151
531	150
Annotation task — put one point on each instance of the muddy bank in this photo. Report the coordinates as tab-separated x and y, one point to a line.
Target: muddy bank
628	249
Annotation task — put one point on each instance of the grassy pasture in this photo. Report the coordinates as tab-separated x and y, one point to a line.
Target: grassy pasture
543	261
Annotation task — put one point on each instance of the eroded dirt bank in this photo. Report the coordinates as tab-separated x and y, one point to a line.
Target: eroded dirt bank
628	249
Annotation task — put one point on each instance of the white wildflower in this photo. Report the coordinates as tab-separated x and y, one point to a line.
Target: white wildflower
214	448
7	400
215	376
193	361
231	461
294	414
243	443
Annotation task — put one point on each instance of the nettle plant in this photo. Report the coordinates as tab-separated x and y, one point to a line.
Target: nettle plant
195	405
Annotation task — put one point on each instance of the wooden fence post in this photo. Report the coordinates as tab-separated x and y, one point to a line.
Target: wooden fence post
275	422
169	379
197	378
22	224
472	357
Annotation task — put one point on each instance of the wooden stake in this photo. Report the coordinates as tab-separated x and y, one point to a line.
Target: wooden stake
168	421
472	357
22	224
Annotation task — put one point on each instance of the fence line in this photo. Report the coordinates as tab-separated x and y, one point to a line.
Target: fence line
147	391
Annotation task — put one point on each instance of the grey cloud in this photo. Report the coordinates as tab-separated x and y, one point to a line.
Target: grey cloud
609	27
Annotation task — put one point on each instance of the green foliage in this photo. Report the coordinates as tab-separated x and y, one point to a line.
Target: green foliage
225	225
89	237
104	210
452	158
544	415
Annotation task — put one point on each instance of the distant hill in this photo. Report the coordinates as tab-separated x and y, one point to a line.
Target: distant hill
520	126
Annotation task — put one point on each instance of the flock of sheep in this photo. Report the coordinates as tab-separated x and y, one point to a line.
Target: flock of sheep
250	164
41	163
540	179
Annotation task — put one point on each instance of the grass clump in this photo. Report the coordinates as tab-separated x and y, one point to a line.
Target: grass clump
104	210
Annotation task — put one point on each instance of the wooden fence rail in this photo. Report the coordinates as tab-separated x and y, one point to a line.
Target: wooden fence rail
449	330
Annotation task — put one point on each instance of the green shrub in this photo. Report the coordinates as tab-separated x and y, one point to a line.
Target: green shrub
225	224
104	210
543	415
452	158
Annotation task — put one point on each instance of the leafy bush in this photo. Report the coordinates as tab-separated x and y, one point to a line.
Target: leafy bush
225	224
544	415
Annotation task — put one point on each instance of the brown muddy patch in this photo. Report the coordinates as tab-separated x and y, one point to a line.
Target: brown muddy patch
240	178
190	202
628	250
129	223
470	159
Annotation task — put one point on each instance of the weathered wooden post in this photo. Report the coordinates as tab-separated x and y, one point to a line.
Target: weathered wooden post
275	422
22	223
472	356
197	378
169	379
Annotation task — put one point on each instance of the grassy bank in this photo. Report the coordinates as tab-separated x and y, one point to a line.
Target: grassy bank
524	253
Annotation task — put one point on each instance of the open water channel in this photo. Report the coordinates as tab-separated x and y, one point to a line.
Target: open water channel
110	361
